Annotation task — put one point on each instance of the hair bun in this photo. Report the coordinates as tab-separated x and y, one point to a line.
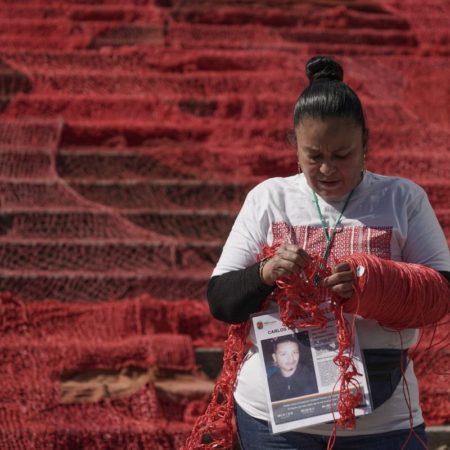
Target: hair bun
323	68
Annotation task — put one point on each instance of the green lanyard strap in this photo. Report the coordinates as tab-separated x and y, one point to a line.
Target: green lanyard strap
329	238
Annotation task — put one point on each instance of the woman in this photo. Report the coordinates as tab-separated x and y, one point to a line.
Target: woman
333	206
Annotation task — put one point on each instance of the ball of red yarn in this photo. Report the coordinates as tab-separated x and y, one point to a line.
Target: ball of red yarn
398	295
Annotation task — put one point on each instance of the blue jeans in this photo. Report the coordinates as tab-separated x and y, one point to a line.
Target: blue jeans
254	434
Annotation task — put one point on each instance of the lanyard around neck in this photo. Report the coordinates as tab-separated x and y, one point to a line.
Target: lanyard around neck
329	237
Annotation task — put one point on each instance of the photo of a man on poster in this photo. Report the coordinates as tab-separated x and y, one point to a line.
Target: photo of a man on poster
290	367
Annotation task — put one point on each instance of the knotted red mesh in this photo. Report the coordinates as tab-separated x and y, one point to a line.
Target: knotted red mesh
44	344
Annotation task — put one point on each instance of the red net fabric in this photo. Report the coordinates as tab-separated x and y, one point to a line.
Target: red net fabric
43	343
131	132
431	363
104	322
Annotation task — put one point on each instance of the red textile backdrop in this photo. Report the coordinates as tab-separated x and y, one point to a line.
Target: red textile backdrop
130	132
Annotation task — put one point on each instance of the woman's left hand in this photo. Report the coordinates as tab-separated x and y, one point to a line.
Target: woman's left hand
341	280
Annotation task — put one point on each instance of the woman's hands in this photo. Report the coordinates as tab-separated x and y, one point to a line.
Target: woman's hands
288	259
341	280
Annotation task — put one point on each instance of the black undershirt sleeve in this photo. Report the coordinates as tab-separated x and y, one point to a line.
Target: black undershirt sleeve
446	275
234	295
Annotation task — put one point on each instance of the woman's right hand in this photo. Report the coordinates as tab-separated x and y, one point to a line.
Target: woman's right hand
288	259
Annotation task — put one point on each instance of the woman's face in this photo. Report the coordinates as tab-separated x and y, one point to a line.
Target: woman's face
286	357
331	154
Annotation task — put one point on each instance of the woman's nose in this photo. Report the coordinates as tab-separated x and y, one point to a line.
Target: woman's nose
326	167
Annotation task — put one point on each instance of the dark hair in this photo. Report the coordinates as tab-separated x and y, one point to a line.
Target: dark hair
283	339
327	95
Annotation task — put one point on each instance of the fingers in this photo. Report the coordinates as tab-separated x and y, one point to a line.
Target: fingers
293	254
288	259
341	281
341	267
344	290
338	277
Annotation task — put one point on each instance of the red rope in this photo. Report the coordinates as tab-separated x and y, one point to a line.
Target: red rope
398	295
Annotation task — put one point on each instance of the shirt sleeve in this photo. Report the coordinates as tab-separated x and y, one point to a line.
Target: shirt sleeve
425	243
248	234
235	290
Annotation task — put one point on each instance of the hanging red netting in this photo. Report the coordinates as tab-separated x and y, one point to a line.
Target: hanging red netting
398	295
214	429
62	365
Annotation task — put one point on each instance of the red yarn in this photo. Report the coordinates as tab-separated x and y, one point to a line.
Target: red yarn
299	299
215	428
398	295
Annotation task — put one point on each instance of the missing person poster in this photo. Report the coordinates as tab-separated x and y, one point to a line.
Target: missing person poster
302	381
